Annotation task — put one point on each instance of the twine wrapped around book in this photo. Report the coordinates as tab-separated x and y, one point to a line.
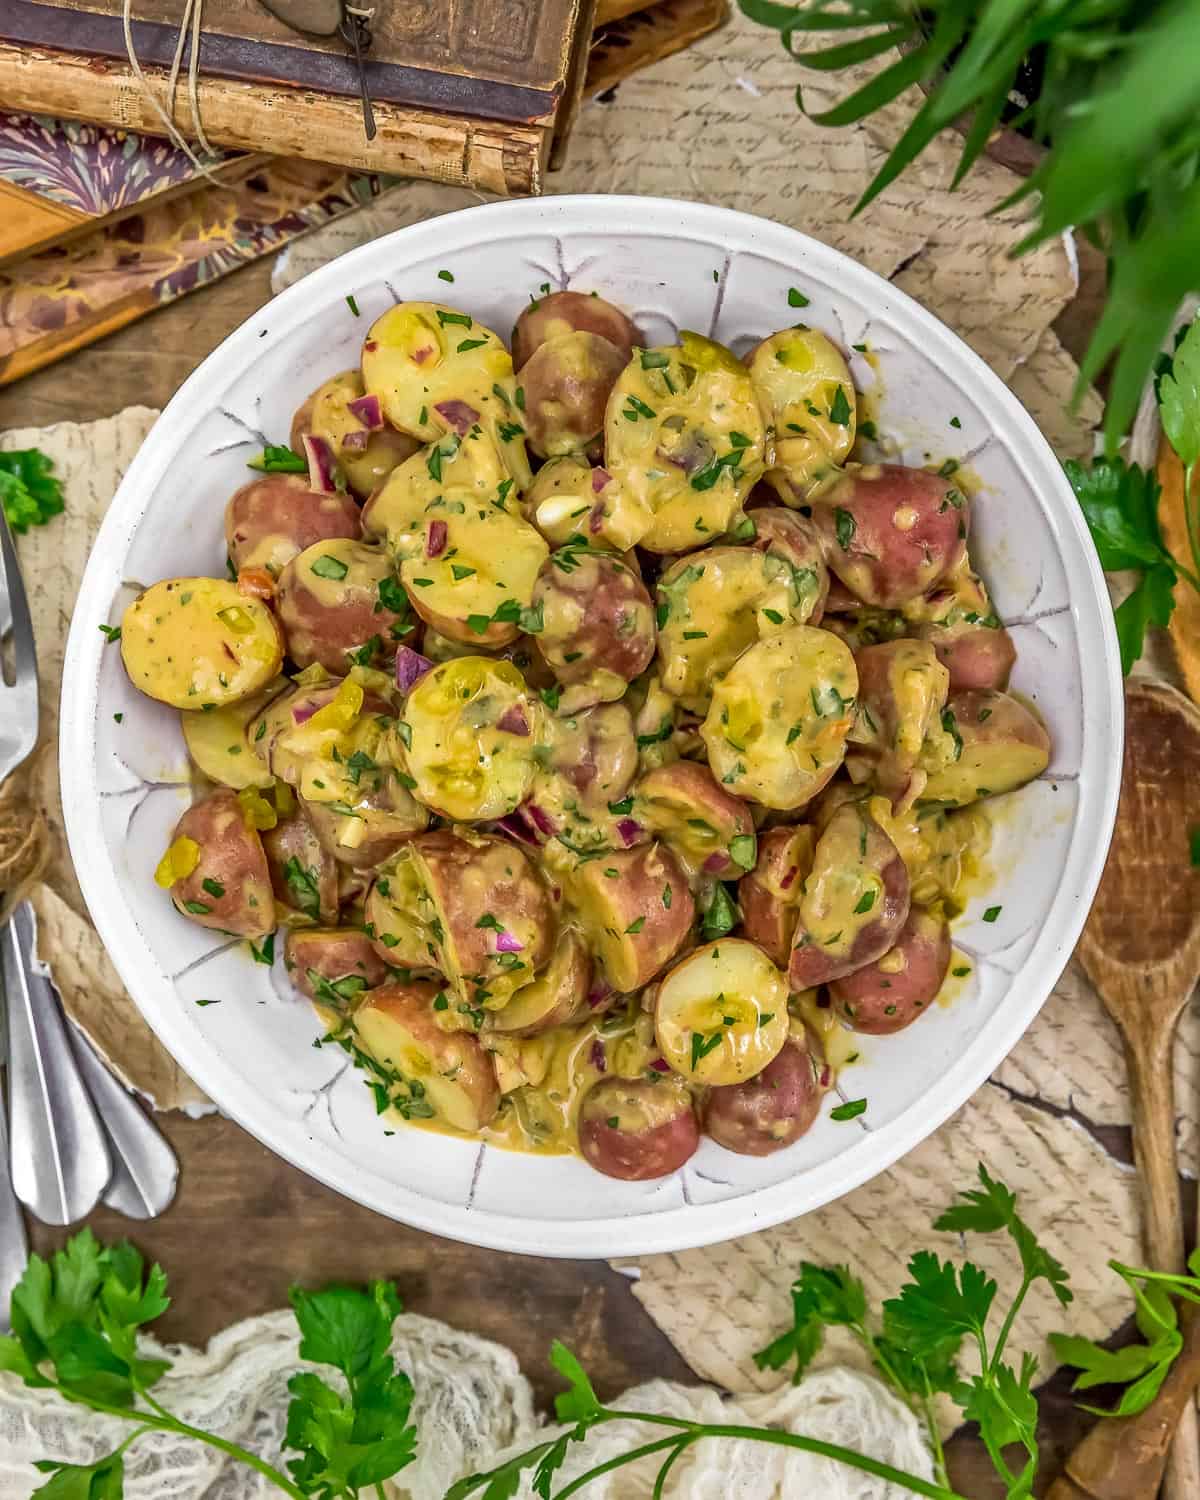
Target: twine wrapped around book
191	22
191	25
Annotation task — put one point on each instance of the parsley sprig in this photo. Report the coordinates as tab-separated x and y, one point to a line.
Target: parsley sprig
76	1319
30	493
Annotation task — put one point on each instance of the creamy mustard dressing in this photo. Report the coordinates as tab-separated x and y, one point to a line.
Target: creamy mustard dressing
808	403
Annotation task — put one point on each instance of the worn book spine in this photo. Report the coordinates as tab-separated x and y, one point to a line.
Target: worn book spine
495	157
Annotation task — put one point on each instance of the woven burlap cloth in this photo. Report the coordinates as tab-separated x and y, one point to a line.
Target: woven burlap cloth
719	123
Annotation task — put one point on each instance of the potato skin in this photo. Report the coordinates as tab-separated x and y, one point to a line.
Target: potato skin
610	905
562	313
335	954
770	1111
398	1026
192	642
1001	747
891	993
976	656
795	537
597	625
683	804
274	518
567	382
854	859
770	894
902	690
890	533
637	1130
313	888
233	862
388	816
324	617
477	883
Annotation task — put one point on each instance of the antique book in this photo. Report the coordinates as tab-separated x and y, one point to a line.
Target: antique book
60	179
475	93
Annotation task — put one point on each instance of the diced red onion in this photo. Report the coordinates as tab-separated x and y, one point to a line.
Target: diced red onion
516	827
419	356
356	441
320	464
506	943
629	831
435	539
599	993
303	712
370	346
368	411
596	1054
826	1077
600	477
411	666
540	820
513	721
787	879
458	416
661	1065
715	862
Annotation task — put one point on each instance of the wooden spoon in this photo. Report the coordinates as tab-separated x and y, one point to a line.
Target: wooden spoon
1141	950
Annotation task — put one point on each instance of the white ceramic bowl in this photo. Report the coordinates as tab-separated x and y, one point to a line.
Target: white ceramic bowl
673	265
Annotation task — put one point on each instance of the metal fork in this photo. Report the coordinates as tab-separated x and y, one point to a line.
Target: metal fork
18	735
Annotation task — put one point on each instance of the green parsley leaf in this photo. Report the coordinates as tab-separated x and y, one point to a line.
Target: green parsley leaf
702	1045
28	489
278	458
445	276
303	890
849	1110
352	304
992	1207
111	632
720	915
1179	398
839	409
797	298
992	913
844	526
328	566
743	850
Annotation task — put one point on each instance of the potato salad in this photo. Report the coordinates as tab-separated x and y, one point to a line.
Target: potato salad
603	736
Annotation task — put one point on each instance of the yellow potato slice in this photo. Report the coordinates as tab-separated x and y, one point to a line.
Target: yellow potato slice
419	356
487	563
684	440
713	606
722	1013
808	403
463	764
776	729
196	643
217	741
458	472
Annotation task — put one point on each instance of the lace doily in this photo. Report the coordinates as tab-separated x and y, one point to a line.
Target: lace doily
472	1407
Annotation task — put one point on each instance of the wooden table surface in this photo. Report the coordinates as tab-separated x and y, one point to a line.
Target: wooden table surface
245	1224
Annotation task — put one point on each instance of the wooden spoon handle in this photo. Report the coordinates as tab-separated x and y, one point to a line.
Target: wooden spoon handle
1122	1458
1125	1459
1152	1089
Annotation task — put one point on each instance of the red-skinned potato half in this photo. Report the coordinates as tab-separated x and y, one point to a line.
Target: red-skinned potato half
597	625
567	382
891	993
890	533
707	828
330	604
428	1072
334	966
572	312
769	895
901	693
995	745
275	517
855	902
769	1111
793	536
638	1130
637	917
216	871
303	875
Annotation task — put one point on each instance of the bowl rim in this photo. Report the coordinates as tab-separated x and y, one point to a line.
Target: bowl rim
688	1225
